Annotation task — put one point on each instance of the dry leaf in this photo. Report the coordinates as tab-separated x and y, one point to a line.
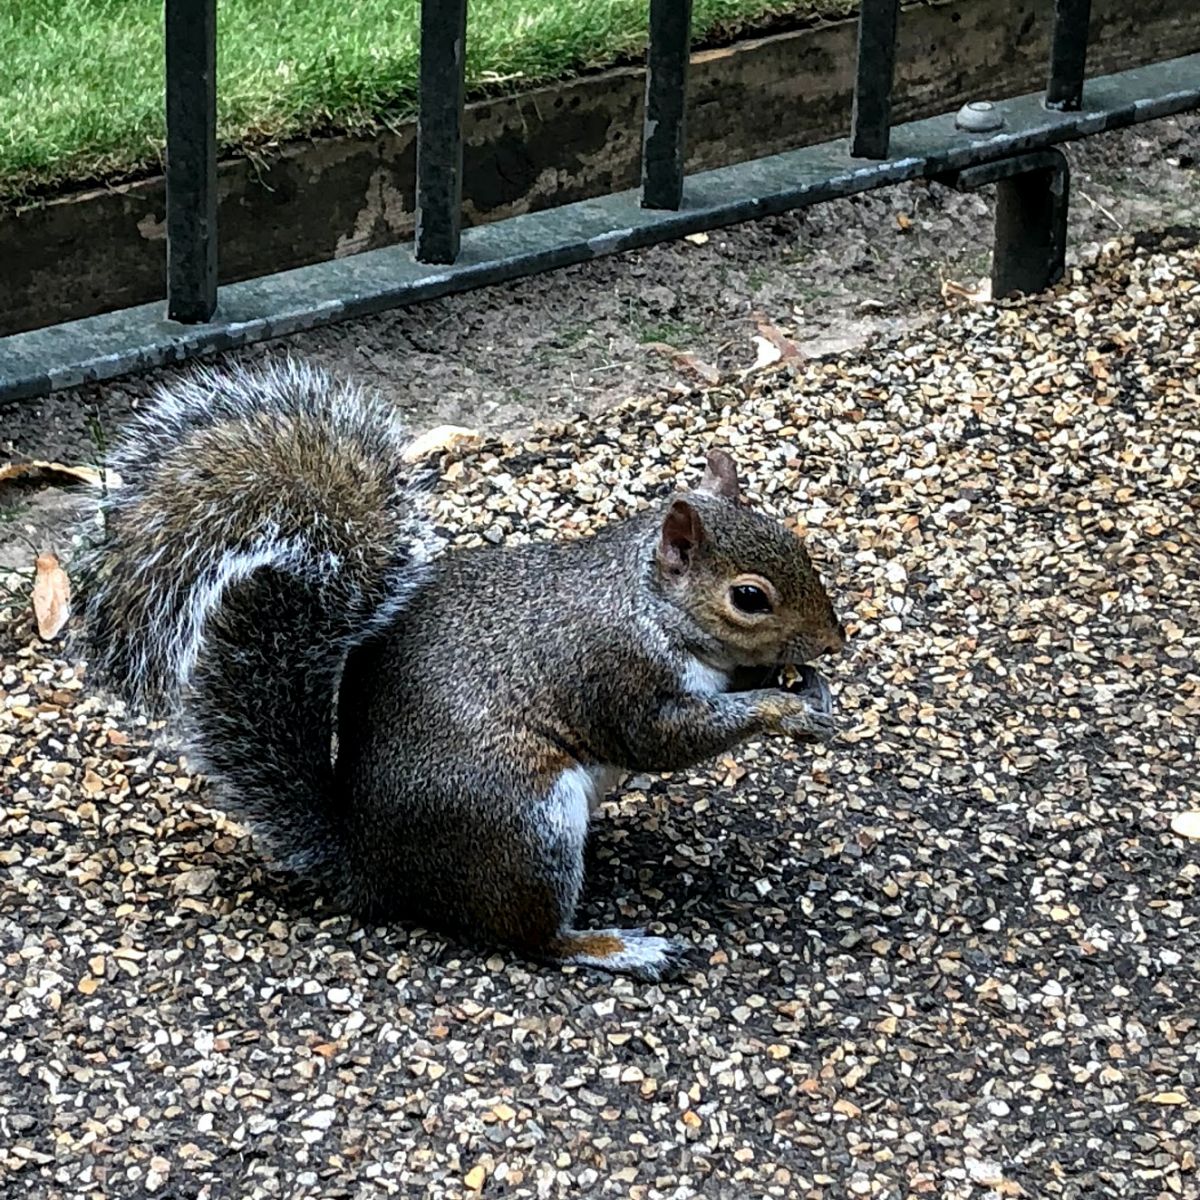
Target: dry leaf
684	358
51	597
1186	824
780	340
439	440
767	354
980	294
88	475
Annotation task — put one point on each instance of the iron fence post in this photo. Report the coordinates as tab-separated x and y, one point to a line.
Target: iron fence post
870	118
439	130
191	96
1068	54
664	132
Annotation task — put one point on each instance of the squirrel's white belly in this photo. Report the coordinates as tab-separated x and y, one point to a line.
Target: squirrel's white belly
702	680
575	796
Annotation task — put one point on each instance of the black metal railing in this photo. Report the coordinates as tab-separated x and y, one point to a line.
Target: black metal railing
1009	145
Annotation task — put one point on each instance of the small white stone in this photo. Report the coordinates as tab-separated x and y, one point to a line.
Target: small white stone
984	1171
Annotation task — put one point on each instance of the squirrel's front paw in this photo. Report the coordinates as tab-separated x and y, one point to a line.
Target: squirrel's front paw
803	711
808	723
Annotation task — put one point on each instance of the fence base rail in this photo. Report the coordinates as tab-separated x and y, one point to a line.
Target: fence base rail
134	339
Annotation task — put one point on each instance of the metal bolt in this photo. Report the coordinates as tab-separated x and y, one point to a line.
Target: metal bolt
980	116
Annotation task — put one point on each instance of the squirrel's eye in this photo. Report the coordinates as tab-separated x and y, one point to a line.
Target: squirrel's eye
750	599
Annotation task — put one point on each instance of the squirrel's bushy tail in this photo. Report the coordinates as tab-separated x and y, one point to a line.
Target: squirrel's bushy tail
265	523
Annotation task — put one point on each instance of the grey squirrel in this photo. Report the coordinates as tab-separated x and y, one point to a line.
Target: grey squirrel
423	732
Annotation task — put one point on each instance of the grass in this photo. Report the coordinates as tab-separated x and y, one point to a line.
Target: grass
81	89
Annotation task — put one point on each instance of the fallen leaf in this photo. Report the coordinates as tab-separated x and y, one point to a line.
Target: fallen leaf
784	344
684	358
439	440
768	354
51	597
1186	824
980	294
89	475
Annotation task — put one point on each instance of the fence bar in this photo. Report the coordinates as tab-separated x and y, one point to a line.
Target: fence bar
870	120
1068	54
439	130
663	139
191	63
135	339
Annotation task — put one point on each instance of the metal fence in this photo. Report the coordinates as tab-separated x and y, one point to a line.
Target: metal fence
1012	145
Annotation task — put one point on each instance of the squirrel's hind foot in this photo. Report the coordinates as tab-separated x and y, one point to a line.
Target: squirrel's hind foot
622	952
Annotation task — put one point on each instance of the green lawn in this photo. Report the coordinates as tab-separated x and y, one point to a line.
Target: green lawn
81	84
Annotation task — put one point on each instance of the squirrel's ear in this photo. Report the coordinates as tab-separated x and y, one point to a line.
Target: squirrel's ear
720	476
682	533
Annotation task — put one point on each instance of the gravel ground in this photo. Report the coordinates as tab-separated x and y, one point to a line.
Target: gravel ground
953	955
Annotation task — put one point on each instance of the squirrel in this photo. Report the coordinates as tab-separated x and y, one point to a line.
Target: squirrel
418	730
